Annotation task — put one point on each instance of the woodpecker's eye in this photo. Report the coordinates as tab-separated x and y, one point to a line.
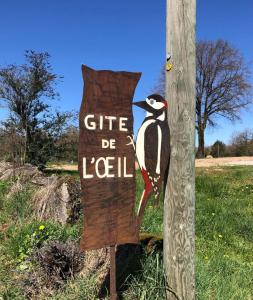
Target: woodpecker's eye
152	101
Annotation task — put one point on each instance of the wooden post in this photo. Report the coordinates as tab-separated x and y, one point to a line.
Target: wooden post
113	291
180	193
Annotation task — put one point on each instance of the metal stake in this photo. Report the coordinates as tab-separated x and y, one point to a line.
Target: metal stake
113	292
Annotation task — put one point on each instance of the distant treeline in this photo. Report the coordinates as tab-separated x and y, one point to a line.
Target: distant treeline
61	147
241	145
64	147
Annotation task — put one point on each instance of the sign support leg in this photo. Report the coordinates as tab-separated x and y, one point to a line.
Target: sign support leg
113	292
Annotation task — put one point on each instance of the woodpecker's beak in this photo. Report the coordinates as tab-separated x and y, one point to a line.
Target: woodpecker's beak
144	105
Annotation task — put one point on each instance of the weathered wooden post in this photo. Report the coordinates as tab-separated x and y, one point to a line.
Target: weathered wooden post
180	193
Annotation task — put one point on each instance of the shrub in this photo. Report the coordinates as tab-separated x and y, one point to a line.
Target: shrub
218	149
61	260
54	263
34	235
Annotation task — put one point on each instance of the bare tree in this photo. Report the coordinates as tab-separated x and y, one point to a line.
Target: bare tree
222	85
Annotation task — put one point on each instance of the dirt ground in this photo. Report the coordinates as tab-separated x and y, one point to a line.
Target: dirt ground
205	162
225	161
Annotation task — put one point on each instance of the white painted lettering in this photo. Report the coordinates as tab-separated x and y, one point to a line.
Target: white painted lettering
122	124
106	167
109	167
92	124
97	169
85	175
101	122
89	125
110	118
112	144
105	144
125	169
108	144
119	166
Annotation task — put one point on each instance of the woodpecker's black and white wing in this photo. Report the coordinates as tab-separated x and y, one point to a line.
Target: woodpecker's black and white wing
153	151
157	143
152	148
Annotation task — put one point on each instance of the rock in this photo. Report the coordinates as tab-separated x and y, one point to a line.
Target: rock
40	180
22	173
3	167
58	199
20	176
209	156
7	174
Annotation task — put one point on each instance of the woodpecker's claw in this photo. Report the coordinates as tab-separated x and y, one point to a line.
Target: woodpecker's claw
131	141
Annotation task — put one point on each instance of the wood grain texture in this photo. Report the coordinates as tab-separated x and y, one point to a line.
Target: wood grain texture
179	206
109	201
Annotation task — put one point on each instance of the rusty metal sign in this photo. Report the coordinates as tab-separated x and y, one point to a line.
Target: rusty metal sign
107	158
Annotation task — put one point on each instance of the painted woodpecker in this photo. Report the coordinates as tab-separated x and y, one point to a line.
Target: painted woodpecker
153	147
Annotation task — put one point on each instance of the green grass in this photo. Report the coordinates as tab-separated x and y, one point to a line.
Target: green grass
149	282
224	233
78	289
224	241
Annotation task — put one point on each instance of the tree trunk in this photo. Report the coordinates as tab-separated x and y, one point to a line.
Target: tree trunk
201	142
179	203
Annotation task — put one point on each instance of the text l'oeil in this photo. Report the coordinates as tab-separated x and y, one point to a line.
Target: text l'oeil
106	167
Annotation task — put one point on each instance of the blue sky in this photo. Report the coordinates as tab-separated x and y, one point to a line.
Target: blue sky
117	35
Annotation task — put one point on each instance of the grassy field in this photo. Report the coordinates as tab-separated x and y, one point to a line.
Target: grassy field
224	233
224	242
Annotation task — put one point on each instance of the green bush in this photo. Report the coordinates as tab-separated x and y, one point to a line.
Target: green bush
218	149
34	235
